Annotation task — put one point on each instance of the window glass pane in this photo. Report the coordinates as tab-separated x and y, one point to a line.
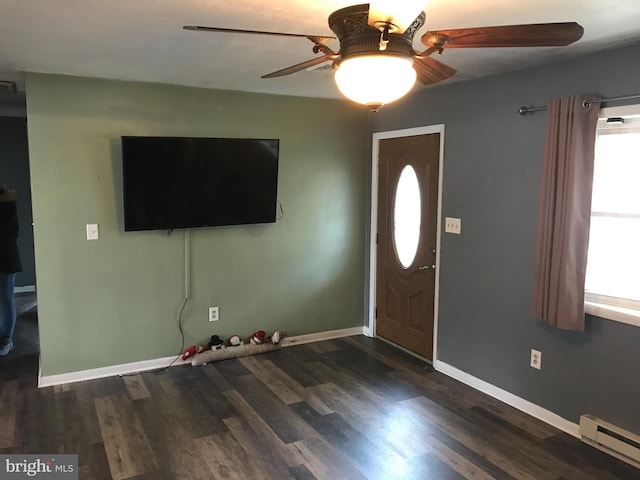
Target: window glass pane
406	216
614	257
617	174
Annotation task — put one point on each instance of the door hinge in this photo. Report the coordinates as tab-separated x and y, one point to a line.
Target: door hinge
376	314
376	238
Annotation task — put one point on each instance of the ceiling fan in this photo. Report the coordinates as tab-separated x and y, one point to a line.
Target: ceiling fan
377	64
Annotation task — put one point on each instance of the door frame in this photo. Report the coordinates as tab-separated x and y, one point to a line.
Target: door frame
377	137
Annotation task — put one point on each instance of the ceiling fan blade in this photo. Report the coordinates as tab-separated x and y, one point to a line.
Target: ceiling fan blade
313	38
431	71
530	35
298	67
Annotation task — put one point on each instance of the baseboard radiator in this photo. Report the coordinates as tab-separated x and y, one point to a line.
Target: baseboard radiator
611	439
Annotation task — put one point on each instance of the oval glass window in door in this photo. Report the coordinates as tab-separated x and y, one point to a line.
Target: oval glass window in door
406	216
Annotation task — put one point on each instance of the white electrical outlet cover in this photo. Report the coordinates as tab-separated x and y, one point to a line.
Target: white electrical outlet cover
92	231
536	359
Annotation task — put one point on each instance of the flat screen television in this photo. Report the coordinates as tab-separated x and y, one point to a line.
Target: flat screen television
184	182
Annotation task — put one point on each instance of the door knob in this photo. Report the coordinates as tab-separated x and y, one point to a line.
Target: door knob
427	267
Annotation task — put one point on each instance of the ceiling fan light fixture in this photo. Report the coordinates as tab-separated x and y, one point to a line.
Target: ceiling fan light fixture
397	14
375	79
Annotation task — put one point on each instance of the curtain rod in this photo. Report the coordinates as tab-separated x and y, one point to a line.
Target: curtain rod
524	110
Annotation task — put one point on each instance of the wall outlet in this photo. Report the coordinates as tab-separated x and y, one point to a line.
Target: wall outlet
214	314
536	359
453	225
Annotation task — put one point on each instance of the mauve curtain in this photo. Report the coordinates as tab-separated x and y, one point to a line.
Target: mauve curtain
565	213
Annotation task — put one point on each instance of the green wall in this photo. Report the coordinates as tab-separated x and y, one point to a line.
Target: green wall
116	300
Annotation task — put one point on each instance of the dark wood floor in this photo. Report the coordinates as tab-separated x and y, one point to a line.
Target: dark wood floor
353	408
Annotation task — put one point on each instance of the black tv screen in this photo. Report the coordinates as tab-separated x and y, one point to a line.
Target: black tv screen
178	182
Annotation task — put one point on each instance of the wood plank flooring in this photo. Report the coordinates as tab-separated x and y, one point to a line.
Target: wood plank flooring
353	408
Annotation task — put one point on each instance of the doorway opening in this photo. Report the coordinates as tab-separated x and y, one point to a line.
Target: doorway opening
14	149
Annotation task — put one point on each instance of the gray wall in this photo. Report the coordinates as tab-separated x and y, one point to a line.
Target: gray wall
492	172
14	172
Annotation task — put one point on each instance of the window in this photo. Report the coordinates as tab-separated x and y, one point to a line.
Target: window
406	216
613	269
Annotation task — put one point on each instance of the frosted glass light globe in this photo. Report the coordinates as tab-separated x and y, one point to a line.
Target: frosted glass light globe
376	79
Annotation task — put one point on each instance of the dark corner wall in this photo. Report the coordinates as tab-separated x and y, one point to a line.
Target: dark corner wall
492	172
14	173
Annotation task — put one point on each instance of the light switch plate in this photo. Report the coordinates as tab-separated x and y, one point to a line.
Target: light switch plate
453	225
92	231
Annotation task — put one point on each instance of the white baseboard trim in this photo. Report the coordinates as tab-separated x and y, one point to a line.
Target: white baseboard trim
24	289
509	398
153	364
111	371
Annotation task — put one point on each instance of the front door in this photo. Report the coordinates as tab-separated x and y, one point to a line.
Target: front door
408	175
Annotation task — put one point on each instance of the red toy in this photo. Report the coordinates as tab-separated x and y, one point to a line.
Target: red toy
191	351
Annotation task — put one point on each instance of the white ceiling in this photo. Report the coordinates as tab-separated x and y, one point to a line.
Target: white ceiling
144	40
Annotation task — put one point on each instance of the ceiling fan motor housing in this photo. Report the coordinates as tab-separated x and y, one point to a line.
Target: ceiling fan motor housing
357	37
